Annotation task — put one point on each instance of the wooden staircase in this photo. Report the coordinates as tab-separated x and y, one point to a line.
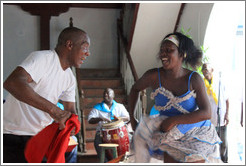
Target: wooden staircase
91	83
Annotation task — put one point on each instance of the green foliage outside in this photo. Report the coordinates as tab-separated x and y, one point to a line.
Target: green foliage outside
205	58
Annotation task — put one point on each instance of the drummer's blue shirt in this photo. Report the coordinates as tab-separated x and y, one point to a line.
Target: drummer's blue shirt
101	107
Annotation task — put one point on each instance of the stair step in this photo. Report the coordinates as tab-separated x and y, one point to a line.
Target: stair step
86	73
90	144
90	134
90	126
90	156
97	83
99	91
86	112
92	83
89	140
90	152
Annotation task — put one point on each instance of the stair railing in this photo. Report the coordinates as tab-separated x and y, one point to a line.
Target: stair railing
128	71
78	95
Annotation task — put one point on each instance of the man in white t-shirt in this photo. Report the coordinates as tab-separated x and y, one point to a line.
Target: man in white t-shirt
35	87
219	100
105	112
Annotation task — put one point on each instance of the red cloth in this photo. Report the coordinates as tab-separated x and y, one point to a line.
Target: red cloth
51	142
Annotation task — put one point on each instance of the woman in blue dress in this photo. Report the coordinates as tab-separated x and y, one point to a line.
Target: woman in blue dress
182	132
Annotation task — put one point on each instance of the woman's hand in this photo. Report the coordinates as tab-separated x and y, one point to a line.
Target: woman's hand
167	124
133	123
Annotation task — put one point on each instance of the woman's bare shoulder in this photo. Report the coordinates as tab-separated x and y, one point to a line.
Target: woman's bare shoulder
151	72
148	79
196	80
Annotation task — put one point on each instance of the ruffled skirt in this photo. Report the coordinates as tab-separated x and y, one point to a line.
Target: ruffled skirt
184	142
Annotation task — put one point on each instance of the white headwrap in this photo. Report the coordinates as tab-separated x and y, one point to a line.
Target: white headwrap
174	39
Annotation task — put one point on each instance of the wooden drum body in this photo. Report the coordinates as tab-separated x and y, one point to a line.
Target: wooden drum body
116	132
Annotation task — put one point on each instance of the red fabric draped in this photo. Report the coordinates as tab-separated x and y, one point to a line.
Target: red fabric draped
51	142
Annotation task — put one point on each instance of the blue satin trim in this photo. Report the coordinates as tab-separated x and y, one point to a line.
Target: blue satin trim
153	111
183	128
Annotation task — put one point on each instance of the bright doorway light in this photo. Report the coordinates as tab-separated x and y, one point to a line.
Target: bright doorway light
225	40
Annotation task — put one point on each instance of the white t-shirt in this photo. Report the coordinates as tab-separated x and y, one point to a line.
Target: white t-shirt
118	111
49	81
221	100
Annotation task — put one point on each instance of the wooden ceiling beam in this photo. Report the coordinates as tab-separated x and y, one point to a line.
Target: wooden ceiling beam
98	5
44	9
179	16
56	6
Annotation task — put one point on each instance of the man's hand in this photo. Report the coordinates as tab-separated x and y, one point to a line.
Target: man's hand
116	118
106	120
60	116
226	119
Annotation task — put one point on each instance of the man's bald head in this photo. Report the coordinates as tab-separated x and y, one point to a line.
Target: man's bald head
73	34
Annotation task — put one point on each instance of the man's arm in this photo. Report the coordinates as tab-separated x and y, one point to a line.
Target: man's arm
96	120
226	118
69	106
125	119
94	117
18	85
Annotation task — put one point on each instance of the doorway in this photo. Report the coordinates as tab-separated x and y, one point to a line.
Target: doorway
225	43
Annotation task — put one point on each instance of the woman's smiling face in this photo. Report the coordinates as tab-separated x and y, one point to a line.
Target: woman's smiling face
169	55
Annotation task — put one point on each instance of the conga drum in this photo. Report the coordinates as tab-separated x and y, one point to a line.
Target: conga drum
115	132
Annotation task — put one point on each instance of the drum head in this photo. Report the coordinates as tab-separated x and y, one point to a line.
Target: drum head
113	124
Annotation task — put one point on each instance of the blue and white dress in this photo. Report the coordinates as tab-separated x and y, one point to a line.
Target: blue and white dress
184	142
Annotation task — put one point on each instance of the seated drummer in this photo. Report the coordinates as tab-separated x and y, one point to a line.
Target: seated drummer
105	112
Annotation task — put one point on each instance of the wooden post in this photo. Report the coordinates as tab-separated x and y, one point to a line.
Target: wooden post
45	32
